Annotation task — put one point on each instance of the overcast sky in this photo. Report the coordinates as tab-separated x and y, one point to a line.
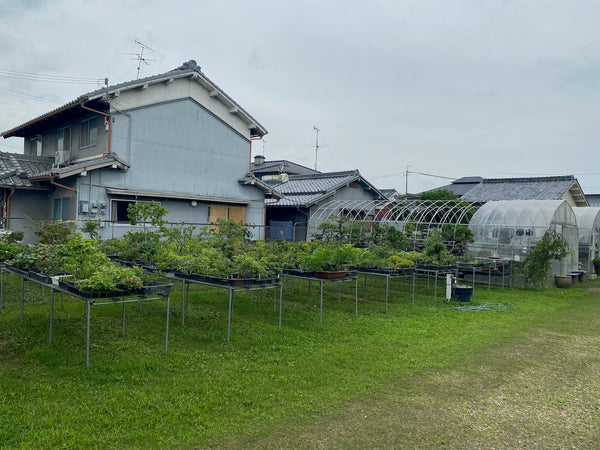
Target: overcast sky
450	88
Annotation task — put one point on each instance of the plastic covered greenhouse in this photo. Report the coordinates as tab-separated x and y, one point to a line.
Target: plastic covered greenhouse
509	229
588	222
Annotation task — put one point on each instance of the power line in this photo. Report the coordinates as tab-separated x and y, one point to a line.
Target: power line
48	78
31	97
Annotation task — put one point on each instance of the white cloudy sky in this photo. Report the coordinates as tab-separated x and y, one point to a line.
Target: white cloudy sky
495	88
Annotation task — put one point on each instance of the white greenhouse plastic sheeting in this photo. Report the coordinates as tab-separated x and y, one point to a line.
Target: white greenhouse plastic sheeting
588	223
508	229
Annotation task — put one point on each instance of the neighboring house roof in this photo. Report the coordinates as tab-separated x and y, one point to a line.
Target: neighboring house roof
593	199
307	190
16	170
538	188
280	166
389	193
461	186
187	70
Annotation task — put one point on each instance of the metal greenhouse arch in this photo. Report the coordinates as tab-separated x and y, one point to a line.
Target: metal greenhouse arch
423	214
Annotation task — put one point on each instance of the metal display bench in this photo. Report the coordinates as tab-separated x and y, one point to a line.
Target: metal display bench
123	299
349	276
436	271
388	274
231	290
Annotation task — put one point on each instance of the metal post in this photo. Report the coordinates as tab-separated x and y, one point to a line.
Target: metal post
167	327
321	310
88	307
22	298
230	295
183	304
123	322
365	293
274	299
473	283
51	316
356	296
387	291
280	303
413	289
435	288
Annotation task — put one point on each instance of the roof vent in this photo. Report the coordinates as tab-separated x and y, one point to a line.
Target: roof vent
259	159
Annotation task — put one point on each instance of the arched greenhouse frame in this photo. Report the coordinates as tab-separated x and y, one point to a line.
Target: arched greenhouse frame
422	215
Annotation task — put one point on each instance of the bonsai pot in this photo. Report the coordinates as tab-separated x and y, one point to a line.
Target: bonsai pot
329	275
563	281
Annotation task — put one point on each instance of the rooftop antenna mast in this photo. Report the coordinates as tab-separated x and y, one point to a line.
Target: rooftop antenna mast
140	56
317	129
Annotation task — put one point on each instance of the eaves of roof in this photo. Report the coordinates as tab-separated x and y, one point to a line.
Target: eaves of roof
187	70
111	161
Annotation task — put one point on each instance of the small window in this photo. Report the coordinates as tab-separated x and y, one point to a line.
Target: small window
89	132
64	139
36	142
61	208
119	210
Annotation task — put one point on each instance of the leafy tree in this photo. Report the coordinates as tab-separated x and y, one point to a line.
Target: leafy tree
538	264
442	194
147	213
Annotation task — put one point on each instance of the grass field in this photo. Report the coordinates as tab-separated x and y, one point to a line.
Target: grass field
308	385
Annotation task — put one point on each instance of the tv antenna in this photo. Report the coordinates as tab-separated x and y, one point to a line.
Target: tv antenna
317	129
140	57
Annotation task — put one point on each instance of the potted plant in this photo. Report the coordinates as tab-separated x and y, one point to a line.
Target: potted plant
328	262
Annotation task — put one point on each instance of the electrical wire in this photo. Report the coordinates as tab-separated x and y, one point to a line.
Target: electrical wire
48	78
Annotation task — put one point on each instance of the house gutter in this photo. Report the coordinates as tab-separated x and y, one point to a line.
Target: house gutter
62	186
109	126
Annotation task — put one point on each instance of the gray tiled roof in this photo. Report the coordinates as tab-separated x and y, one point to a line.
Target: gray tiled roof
187	69
306	190
316	184
281	166
593	199
540	188
461	186
15	169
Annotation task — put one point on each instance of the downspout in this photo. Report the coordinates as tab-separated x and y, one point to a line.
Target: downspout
109	127
7	203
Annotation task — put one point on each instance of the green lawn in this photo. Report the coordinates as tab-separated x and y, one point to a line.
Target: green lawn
207	392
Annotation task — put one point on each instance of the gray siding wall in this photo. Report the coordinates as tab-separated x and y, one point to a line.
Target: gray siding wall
176	147
26	207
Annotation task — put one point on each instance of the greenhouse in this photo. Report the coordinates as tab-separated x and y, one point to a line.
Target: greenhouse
422	214
509	229
588	222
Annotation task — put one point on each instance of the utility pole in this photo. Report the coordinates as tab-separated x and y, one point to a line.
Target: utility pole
406	181
316	144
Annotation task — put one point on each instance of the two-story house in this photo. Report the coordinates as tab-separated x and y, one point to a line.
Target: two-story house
176	138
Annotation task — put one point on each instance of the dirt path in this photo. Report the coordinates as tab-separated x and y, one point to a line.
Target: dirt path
541	390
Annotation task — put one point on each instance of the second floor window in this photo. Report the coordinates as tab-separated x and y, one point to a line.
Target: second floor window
64	139
89	132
